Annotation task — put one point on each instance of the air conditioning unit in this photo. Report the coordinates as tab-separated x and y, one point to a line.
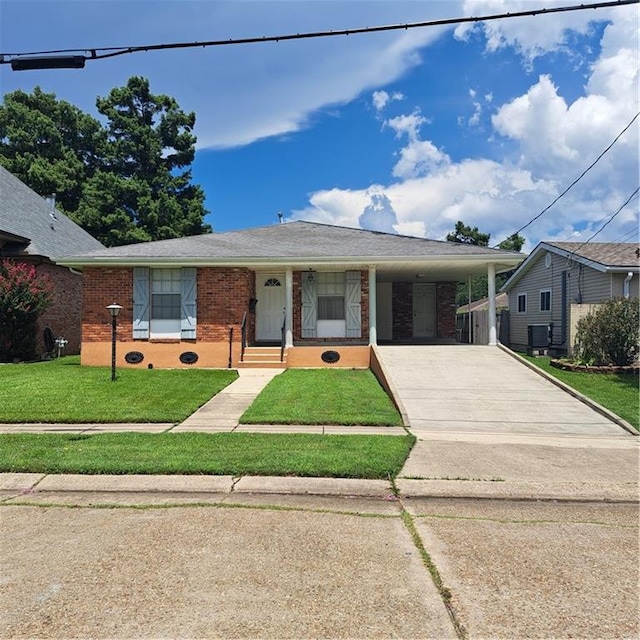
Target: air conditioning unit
538	336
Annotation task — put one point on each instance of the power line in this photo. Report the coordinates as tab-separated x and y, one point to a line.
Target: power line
76	57
593	164
629	199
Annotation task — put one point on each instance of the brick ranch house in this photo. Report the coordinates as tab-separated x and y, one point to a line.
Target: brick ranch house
318	295
32	230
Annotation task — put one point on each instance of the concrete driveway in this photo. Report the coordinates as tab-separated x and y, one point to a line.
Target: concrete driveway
481	389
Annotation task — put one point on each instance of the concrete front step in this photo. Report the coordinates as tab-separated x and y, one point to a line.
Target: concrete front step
263	357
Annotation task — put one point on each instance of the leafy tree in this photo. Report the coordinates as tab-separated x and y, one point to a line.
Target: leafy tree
49	144
465	234
127	181
23	296
610	334
468	235
514	242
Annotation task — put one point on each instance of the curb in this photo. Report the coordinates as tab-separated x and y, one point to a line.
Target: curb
621	422
22	486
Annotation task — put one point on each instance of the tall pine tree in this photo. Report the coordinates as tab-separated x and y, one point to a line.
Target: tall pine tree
128	181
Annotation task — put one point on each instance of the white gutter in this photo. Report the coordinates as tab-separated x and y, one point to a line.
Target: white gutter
625	286
281	261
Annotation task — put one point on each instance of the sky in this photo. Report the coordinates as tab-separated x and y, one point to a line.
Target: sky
404	132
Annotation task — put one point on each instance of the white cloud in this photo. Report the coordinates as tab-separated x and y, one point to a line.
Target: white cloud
531	36
380	99
240	93
552	142
379	214
419	157
407	125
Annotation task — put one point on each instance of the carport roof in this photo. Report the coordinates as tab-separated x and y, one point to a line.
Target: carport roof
301	244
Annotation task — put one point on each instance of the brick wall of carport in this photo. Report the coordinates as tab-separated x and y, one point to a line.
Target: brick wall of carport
402	305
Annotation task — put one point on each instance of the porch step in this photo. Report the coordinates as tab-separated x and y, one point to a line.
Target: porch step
263	357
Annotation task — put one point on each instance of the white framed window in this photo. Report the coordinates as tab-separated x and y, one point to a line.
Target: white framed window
545	300
522	303
165	303
331	290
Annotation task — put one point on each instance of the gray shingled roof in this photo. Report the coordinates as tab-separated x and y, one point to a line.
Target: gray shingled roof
608	254
293	240
601	256
25	214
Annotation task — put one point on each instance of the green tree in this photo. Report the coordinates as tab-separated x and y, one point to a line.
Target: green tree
127	181
514	242
468	235
479	288
49	144
150	147
23	296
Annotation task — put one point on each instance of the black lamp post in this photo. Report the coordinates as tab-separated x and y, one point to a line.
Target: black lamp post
114	310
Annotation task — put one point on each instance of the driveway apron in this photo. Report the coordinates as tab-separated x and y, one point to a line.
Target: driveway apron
481	389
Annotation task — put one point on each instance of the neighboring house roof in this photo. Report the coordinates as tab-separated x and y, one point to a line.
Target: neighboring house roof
618	257
502	300
30	226
304	244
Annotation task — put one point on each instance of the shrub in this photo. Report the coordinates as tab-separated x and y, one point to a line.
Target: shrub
23	296
610	334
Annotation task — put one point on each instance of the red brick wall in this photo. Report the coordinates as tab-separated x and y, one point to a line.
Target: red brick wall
446	310
402	310
63	316
103	286
223	296
402	301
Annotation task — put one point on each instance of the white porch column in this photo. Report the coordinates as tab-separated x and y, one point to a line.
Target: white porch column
491	277
288	309
373	327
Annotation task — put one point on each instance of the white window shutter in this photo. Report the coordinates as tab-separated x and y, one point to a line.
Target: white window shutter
353	294
309	305
188	304
140	302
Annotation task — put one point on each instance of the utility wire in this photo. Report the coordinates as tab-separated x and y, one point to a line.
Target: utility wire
593	164
97	53
629	199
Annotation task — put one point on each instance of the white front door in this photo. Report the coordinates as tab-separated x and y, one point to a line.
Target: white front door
270	291
424	310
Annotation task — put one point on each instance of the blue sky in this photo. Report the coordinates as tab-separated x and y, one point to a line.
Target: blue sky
404	131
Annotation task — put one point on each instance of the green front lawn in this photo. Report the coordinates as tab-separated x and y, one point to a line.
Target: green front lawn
614	391
323	396
63	391
234	454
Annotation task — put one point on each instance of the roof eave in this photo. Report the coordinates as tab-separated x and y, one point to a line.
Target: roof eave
507	261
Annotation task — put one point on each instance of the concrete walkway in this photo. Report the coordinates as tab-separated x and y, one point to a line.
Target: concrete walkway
223	411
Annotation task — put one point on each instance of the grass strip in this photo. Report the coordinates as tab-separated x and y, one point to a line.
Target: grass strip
323	396
617	392
62	391
236	454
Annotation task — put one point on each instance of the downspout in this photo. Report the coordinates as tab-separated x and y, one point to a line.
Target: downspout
75	271
625	286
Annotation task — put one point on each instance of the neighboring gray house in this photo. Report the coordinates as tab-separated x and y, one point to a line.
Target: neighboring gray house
32	231
559	282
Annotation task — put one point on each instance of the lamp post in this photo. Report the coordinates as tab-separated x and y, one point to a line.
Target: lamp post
114	310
